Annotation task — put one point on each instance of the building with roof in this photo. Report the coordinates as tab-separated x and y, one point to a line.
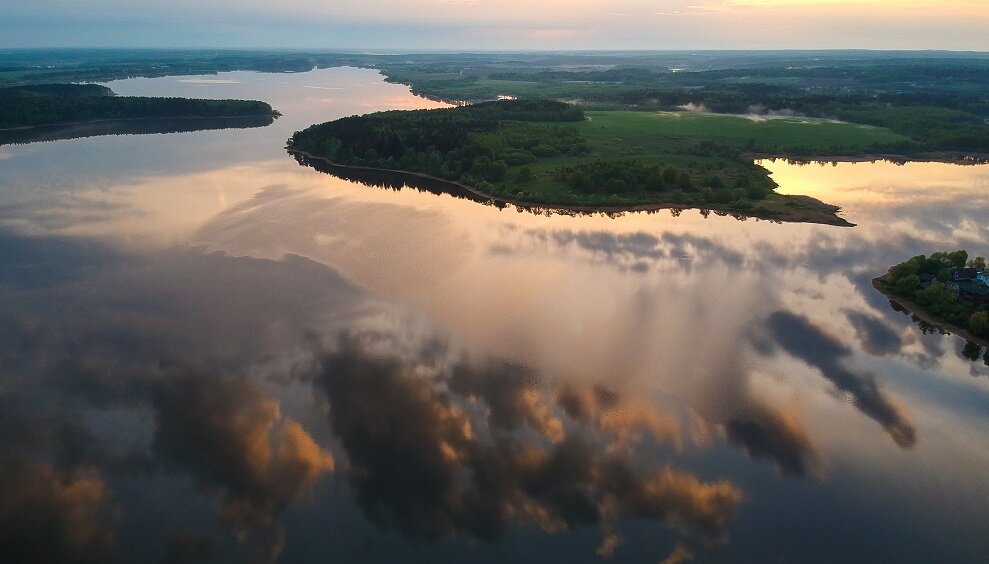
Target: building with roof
976	294
964	274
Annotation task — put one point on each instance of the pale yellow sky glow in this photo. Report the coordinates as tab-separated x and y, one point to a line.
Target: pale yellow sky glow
509	24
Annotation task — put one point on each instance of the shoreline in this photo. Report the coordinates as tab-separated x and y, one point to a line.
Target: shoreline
966	159
880	285
274	115
604	209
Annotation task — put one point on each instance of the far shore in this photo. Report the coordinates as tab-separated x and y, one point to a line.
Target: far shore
275	114
914	309
797	216
936	157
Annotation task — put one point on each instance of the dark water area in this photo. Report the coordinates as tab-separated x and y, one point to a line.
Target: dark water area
127	127
209	353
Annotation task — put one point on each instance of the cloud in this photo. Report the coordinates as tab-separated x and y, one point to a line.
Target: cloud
466	25
458	478
90	396
875	335
763	433
626	419
679	555
801	338
236	442
45	517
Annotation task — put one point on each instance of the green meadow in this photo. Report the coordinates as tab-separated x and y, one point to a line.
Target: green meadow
650	133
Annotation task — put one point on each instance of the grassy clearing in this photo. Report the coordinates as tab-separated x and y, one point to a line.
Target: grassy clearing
674	138
671	132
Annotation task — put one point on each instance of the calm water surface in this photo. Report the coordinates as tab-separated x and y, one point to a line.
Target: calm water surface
210	353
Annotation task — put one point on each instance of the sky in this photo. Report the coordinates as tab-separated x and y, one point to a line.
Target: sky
498	24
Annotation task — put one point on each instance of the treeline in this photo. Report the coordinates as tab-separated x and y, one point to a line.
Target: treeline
934	121
471	143
44	110
905	279
619	75
64	90
743	98
629	175
846	76
38	134
938	109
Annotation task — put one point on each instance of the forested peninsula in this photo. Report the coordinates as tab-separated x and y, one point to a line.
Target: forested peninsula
553	154
56	104
946	290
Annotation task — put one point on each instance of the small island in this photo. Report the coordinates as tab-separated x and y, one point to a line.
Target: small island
49	106
556	156
945	290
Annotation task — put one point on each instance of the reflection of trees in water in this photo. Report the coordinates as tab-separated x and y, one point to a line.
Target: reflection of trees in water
970	350
975	352
397	180
129	127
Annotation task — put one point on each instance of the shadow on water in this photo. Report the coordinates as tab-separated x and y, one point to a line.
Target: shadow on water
128	127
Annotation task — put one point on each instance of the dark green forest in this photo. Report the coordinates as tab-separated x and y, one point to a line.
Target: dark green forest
63	90
470	143
535	151
26	106
940	295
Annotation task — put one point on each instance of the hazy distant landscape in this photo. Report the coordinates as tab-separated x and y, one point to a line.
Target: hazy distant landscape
800	105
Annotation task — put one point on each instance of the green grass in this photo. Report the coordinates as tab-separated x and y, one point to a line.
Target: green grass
668	139
664	132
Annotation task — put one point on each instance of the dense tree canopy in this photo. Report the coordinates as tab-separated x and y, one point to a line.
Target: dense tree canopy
63	103
468	143
939	297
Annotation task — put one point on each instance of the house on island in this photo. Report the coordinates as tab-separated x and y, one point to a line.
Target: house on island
972	285
974	293
960	275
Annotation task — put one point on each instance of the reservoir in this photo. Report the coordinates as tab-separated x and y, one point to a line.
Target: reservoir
211	353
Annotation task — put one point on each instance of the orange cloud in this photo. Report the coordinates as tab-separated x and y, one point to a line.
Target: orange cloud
48	518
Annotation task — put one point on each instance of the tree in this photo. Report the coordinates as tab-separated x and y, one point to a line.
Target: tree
937	299
958	258
979	323
978	263
524	175
907	285
683	181
902	270
971	351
